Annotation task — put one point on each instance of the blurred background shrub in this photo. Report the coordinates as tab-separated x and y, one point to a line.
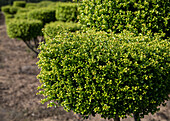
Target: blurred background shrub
10	2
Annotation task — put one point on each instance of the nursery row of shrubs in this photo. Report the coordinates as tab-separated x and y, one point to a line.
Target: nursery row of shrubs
115	63
10	2
118	67
23	21
46	9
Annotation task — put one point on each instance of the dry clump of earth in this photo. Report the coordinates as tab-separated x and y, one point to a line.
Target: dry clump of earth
18	87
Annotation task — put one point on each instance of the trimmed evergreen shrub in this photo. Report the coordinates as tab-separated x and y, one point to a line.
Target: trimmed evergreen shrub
45	15
13	10
40	4
107	74
10	9
6	9
134	15
45	4
23	15
8	17
19	4
6	2
66	12
31	5
53	28
24	29
23	10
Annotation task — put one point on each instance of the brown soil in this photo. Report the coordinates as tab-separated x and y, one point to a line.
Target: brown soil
18	87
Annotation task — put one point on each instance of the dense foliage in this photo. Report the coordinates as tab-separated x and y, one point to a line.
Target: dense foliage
10	9
22	15
19	4
8	18
107	74
45	15
45	4
138	16
10	2
66	12
22	10
14	10
120	70
24	29
53	28
6	9
31	5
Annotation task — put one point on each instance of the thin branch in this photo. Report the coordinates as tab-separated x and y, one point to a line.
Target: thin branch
29	46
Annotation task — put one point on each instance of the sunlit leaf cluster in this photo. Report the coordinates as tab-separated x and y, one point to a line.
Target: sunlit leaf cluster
107	74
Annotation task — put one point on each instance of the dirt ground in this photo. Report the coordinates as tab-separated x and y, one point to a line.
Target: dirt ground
18	87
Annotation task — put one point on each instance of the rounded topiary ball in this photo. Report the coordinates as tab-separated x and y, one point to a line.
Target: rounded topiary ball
106	74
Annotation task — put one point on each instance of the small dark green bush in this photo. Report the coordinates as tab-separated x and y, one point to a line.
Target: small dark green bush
19	4
45	15
24	29
53	28
138	16
66	12
106	74
6	9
